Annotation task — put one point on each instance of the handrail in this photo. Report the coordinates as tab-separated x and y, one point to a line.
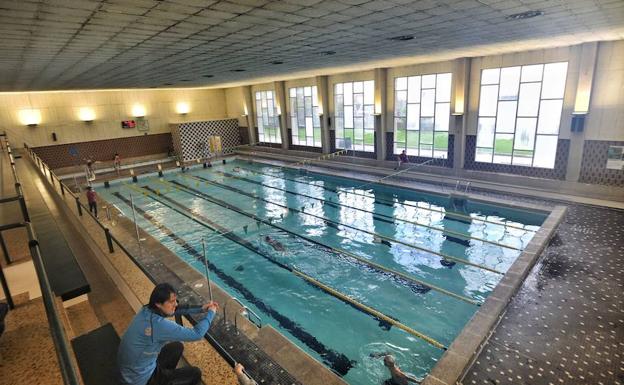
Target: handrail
56	328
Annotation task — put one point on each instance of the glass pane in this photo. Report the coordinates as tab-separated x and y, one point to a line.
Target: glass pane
413	84
443	88
529	99
484	155
339	123
339	105
398	147
400	103
339	89
369	92
509	83
293	107
522	157
426	150
339	133
307	91
315	117
293	123
532	73
269	95
412	139
400	84
485	132
440	141
399	136
545	151
358	131
358	105
554	80
317	136
525	134
309	127
293	92
358	87
369	118
308	105
369	137
302	134
549	116
348	93
503	144
300	117
258	95
442	114
428	103
490	76
428	81
358	123
488	100
399	123
348	117
413	116
426	130
506	119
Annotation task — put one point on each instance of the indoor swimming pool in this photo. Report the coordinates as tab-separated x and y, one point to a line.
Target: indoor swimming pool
346	270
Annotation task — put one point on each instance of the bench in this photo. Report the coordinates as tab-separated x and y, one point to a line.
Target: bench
96	354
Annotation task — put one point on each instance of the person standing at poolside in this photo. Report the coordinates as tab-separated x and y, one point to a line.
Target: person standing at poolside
117	163
150	348
92	199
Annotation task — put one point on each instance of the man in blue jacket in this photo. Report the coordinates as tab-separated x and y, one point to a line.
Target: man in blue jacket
150	349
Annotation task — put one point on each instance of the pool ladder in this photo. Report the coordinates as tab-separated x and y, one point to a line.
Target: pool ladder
458	186
245	311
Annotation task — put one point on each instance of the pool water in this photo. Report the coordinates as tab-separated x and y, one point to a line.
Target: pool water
438	261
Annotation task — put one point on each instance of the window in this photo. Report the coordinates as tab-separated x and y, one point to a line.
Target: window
354	105
422	108
519	114
268	120
304	116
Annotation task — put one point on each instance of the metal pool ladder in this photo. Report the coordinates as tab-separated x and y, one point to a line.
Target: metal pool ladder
245	311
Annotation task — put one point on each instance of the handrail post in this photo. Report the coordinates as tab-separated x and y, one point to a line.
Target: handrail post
7	257
22	202
5	288
79	206
109	240
62	188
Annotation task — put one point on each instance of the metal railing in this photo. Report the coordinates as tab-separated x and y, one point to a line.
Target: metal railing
111	240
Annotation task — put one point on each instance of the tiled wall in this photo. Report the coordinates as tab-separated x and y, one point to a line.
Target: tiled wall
593	166
420	159
103	150
191	138
559	172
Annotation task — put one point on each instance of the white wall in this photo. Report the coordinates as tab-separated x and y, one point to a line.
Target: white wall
59	112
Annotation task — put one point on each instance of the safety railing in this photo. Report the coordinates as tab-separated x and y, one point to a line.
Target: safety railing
112	241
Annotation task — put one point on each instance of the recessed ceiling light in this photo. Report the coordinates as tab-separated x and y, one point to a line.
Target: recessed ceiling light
237	70
208	76
326	53
168	84
277	62
402	38
524	15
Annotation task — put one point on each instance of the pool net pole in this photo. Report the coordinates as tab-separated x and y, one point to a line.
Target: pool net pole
206	267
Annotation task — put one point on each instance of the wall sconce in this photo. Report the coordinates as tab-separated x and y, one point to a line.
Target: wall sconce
30	117
138	111
183	108
86	114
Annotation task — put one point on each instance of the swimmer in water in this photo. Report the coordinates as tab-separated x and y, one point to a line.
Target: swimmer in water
378	239
236	169
277	246
398	377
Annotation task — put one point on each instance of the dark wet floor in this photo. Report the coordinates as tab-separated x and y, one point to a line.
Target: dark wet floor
566	324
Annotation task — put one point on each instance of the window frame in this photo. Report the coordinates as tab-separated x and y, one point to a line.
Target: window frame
367	129
263	122
293	105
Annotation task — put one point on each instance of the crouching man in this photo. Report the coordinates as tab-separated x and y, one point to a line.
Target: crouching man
150	349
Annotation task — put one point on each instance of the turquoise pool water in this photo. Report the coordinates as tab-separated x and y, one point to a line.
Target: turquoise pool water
415	258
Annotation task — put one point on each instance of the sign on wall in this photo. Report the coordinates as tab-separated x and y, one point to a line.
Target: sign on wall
615	158
142	124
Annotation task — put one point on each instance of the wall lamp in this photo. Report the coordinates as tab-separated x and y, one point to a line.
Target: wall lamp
183	108
86	114
30	117
138	111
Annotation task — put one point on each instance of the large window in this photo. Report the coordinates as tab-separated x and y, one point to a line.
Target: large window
267	118
354	105
519	114
304	116
422	108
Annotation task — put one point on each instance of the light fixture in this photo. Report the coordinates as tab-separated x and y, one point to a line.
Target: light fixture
30	117
524	15
138	111
86	114
183	108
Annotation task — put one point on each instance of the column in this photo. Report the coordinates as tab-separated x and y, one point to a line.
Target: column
281	100
381	76
249	111
322	88
459	105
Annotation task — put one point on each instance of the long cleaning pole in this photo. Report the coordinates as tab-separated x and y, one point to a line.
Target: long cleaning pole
206	267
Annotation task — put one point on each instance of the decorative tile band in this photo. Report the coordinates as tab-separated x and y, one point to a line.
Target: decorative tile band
593	166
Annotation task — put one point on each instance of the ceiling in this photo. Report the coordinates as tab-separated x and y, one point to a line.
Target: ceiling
87	44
